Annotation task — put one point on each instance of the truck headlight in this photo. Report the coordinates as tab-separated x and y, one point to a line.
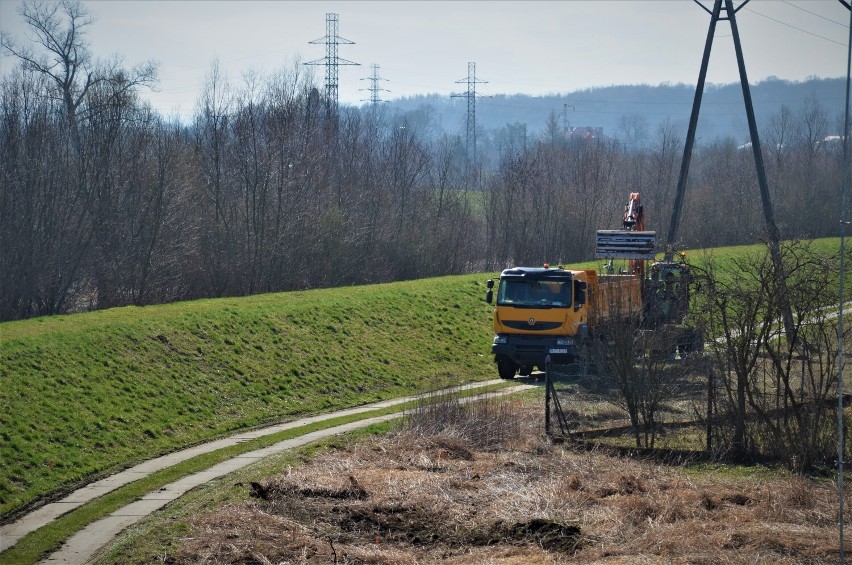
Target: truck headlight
500	340
563	341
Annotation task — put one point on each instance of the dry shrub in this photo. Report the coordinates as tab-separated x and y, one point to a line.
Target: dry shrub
235	534
485	423
460	496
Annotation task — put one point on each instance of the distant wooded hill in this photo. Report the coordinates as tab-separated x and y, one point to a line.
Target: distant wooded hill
618	109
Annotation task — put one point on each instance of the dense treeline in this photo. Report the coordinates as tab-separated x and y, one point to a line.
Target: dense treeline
545	202
105	203
265	191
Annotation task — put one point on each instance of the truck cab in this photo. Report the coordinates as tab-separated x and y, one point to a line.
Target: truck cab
539	312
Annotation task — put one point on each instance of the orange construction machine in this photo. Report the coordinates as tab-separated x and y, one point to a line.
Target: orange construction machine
544	312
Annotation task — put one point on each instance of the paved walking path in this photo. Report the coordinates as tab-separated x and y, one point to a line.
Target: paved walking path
81	547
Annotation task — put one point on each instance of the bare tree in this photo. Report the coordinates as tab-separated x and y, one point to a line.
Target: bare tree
553	130
781	398
665	160
165	233
212	130
633	130
801	421
59	30
638	372
778	135
811	128
407	160
86	110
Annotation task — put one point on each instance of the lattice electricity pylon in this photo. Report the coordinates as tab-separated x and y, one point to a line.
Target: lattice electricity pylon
471	82
725	10
374	88
331	61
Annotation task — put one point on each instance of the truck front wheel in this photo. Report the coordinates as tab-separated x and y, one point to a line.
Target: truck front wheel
506	368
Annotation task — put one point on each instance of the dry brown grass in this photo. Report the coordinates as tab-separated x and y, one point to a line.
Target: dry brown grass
415	498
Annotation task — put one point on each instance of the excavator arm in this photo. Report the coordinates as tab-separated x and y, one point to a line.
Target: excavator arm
632	242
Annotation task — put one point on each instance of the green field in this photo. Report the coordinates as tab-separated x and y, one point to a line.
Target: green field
87	394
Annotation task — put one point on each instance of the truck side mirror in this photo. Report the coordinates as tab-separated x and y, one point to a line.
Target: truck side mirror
489	283
579	293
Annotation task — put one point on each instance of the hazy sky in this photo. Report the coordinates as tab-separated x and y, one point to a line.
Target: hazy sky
421	47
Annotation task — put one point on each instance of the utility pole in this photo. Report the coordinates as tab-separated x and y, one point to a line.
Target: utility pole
841	444
374	88
471	82
727	6
331	61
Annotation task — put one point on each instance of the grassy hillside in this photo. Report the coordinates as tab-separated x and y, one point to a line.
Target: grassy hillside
85	394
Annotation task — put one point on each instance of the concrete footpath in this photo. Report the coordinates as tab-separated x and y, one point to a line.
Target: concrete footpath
81	547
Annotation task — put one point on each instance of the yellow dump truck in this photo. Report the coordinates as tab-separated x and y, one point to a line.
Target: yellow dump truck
545	311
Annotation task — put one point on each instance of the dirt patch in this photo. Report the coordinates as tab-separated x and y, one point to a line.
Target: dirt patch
411	499
547	534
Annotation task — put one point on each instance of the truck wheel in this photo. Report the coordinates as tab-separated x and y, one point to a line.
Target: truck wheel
506	368
525	371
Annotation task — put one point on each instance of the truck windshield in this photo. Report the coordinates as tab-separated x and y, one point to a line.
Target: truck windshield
534	294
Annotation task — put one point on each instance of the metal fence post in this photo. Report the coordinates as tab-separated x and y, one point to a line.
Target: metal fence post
710	385
547	396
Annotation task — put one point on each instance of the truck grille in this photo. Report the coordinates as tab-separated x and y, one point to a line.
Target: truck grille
532	343
524	325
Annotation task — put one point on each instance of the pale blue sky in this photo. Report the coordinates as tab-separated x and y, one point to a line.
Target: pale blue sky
530	47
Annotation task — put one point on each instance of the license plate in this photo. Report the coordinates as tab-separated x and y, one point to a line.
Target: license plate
556	351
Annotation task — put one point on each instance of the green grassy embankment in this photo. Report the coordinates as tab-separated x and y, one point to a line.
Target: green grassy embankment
86	394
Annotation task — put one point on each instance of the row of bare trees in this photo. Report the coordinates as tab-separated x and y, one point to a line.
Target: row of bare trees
545	202
265	191
104	202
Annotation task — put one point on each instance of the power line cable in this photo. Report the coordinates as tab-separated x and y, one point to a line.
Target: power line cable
841	24
796	28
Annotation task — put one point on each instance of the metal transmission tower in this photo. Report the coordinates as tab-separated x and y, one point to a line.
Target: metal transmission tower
374	87
724	10
471	82
331	61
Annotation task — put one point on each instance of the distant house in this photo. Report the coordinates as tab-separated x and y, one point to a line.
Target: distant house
744	146
586	133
